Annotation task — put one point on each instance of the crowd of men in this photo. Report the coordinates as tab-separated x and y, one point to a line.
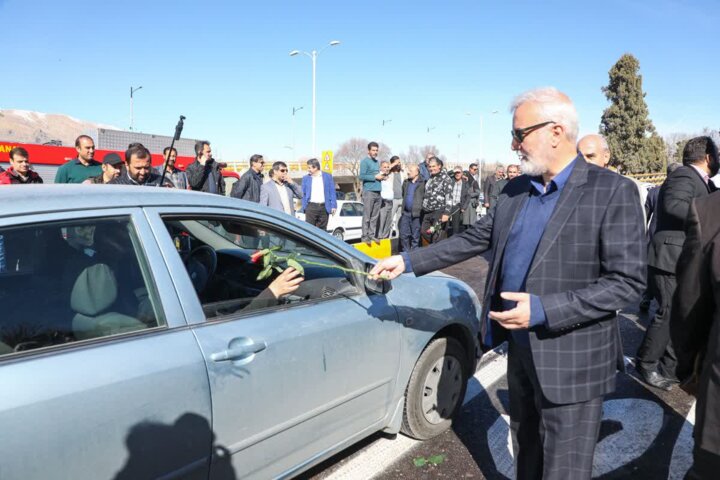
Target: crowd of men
572	243
204	174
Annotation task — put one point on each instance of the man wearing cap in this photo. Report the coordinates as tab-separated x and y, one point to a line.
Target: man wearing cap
19	171
111	169
83	167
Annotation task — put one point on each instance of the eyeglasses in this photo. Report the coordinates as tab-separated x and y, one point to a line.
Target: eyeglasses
283	170
519	134
458	173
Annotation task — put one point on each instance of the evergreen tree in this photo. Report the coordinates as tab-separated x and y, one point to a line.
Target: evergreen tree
635	145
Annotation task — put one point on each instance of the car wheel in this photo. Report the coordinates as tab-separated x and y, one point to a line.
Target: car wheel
339	234
436	389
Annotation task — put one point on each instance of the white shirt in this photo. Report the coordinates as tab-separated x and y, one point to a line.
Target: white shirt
317	190
283	192
703	174
387	191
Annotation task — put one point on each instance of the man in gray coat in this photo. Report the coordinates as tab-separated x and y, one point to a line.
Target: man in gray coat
279	192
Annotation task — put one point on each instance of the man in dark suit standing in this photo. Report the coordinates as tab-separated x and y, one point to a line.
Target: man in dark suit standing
651	217
568	251
695	329
655	358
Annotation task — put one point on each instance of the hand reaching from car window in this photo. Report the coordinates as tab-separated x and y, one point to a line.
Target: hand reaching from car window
286	283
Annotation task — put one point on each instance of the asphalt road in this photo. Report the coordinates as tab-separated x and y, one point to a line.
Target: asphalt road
645	434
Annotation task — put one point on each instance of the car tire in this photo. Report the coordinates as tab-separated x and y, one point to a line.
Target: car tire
436	389
339	234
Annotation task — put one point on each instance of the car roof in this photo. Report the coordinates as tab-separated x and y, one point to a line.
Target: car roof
32	199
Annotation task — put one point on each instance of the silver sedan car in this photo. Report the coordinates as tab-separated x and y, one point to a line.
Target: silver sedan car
153	333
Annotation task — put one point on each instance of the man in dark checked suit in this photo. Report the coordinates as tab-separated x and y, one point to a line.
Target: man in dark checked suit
568	251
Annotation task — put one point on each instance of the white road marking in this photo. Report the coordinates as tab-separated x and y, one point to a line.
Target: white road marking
641	421
385	451
682	459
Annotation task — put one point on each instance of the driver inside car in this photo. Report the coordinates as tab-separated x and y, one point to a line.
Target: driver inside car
280	288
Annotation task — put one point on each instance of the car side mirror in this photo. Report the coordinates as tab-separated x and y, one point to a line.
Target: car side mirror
379	286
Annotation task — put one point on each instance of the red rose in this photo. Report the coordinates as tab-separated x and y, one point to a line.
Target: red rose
255	257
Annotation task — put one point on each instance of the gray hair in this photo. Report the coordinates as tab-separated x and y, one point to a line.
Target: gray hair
554	106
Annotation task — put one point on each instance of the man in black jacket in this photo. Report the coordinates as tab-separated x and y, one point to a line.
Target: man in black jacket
204	174
138	169
695	330
651	217
656	359
413	191
248	187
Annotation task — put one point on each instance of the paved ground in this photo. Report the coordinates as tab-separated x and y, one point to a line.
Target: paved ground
645	434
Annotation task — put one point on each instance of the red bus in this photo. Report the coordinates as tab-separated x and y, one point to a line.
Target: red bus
46	159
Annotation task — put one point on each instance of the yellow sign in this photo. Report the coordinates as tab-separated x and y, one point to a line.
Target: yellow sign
326	164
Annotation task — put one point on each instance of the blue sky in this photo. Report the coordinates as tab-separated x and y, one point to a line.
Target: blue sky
225	66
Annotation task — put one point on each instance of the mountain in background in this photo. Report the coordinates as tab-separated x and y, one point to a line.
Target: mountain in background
23	126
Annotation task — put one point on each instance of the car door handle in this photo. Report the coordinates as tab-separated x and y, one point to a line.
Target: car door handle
239	351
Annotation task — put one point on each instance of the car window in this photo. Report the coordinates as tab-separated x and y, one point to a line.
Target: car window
64	282
358	209
221	257
347	210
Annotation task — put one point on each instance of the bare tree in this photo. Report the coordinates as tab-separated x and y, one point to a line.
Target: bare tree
350	153
416	154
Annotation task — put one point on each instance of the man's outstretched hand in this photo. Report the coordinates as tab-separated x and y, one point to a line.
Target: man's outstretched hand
388	268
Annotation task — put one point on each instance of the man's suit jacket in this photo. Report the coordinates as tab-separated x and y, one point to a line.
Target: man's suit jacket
676	194
651	209
328	191
695	320
589	264
270	196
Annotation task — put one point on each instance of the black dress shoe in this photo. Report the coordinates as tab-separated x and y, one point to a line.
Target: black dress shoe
653	378
670	377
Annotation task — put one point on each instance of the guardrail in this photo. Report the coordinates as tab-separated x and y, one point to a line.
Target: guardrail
654	178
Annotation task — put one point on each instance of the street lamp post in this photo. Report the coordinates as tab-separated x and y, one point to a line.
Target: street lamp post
481	132
458	147
132	91
313	56
294	111
382	133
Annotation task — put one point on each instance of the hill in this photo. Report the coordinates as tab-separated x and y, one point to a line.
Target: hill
34	127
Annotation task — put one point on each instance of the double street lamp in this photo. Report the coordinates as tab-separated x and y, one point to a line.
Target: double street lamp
313	56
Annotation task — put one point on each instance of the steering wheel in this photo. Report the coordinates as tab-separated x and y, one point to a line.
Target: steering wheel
201	265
